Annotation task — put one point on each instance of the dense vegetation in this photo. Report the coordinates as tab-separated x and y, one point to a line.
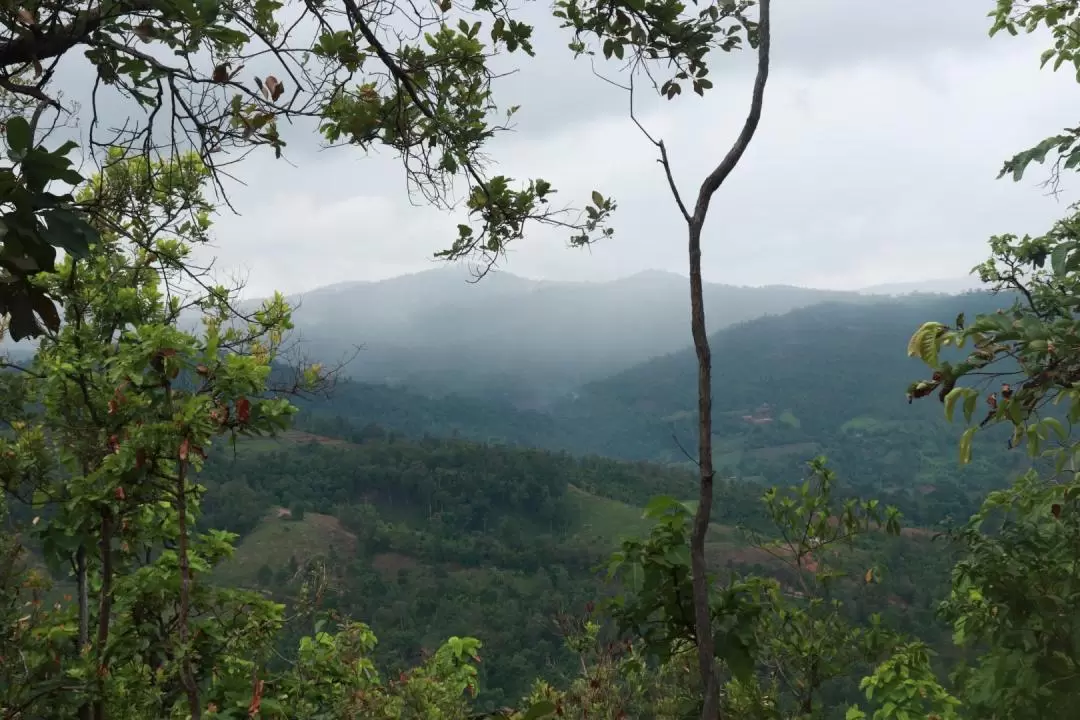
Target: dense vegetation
171	549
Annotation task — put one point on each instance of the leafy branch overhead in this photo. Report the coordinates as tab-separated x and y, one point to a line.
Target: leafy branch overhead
1021	363
222	79
659	35
1028	351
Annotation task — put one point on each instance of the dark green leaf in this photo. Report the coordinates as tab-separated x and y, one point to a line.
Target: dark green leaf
18	135
68	231
541	709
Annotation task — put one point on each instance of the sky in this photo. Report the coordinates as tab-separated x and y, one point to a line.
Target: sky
884	127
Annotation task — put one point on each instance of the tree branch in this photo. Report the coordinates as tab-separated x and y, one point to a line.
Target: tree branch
44	45
717	177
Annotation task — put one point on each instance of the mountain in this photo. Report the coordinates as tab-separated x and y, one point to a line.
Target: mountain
826	379
939	286
526	341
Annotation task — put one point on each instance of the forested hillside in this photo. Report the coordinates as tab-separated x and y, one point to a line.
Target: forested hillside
788	387
434	537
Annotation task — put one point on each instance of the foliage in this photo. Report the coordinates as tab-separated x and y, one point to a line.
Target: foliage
35	223
119	408
657	606
1012	589
128	404
786	642
809	643
1012	597
617	681
905	686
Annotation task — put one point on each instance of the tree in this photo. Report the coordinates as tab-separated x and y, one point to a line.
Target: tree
217	78
1011	590
129	403
109	427
662	30
782	641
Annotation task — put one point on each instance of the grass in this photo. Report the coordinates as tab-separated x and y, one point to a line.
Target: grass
609	520
866	424
805	449
288	438
598	517
277	539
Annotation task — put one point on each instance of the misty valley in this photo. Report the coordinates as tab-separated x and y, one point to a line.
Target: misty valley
488	491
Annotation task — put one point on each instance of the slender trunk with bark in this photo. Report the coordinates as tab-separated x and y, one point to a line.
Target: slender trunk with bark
695	223
104	609
83	585
702	612
187	677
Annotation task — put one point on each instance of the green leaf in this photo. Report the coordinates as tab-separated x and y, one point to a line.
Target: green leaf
969	405
737	656
1058	258
924	343
68	231
965	445
658	505
1055	425
597	198
950	401
541	709
18	135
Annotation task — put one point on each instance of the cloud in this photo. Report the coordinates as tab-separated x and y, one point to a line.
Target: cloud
884	128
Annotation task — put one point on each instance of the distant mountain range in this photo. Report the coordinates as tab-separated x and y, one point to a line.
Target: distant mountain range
527	341
941	286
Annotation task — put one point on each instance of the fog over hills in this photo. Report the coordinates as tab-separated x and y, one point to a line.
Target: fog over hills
527	340
940	286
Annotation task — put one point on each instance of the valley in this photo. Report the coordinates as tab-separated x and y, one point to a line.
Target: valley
443	514
281	439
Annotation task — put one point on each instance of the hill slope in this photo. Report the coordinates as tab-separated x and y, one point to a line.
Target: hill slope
826	379
830	378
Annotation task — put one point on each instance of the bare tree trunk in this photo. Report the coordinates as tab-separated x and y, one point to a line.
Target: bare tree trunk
104	610
186	675
84	613
702	616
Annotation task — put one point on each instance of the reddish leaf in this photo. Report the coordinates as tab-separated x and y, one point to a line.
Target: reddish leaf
119	493
243	410
274	87
184	446
256	699
221	73
145	30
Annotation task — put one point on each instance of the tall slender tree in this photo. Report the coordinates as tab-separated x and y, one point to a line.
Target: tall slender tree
632	30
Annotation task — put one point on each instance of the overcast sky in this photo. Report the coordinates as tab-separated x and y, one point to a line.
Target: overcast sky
884	127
